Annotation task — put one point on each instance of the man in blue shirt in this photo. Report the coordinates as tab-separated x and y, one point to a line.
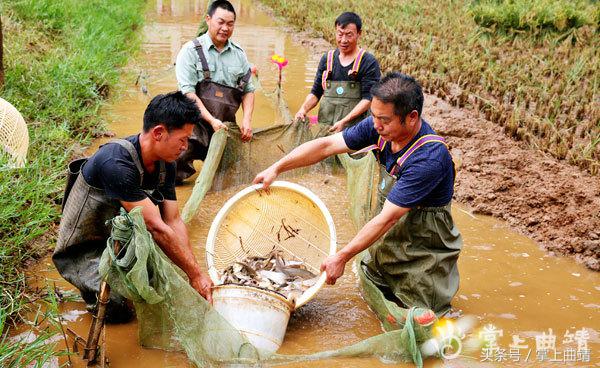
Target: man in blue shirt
415	243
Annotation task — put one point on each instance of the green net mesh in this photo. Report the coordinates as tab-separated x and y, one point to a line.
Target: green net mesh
173	316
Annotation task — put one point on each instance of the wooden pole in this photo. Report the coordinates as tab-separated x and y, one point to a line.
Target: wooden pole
91	350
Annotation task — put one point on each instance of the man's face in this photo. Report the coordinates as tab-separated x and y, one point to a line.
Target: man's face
169	145
388	124
347	37
220	25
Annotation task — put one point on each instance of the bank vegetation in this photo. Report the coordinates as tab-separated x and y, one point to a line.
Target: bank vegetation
61	60
532	67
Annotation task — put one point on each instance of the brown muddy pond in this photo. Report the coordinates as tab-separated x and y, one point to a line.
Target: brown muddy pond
506	280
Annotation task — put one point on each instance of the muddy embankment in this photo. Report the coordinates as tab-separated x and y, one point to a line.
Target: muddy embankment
556	204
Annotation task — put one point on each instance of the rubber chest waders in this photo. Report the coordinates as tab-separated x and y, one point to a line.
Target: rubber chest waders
84	230
416	259
340	97
221	101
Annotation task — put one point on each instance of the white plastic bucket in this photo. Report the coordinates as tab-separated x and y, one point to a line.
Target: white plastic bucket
261	315
252	217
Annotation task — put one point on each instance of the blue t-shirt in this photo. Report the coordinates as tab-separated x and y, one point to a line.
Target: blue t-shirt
426	178
112	169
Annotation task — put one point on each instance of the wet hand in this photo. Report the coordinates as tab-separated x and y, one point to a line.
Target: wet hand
218	125
203	285
337	127
266	177
300	115
334	267
246	133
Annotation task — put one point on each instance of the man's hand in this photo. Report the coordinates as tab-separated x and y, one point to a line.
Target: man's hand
300	115
203	284
246	132
266	177
337	127
334	267
218	125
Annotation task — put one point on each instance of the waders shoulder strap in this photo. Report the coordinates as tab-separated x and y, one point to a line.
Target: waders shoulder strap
354	71
378	147
133	153
428	138
244	80
162	173
328	69
202	57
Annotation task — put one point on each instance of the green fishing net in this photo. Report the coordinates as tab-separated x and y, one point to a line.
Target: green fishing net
173	316
229	162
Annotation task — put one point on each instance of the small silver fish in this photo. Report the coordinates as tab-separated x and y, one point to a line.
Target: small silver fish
271	272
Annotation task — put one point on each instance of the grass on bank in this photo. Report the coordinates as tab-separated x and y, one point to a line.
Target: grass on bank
61	58
541	85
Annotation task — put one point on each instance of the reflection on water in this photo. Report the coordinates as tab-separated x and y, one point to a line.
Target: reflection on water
505	279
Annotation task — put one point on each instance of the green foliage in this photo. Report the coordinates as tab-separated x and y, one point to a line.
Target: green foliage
61	59
553	15
542	87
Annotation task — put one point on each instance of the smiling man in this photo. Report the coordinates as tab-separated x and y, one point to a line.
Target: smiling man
138	171
414	260
214	72
344	78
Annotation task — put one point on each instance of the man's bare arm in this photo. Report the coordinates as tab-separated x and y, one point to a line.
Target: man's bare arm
173	240
304	155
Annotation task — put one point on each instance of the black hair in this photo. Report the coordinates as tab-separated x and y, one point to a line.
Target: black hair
349	17
223	4
401	90
173	110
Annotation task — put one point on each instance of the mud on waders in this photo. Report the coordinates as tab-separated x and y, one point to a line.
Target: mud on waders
82	238
221	101
415	260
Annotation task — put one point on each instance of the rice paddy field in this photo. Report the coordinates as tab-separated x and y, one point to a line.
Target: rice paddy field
532	67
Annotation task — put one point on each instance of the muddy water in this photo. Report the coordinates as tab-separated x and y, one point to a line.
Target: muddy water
505	279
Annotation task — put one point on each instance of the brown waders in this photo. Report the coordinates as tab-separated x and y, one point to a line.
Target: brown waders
415	261
222	102
84	230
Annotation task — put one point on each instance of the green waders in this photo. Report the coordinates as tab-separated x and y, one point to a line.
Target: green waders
415	261
339	98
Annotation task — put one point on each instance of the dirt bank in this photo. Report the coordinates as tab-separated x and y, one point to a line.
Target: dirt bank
556	204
